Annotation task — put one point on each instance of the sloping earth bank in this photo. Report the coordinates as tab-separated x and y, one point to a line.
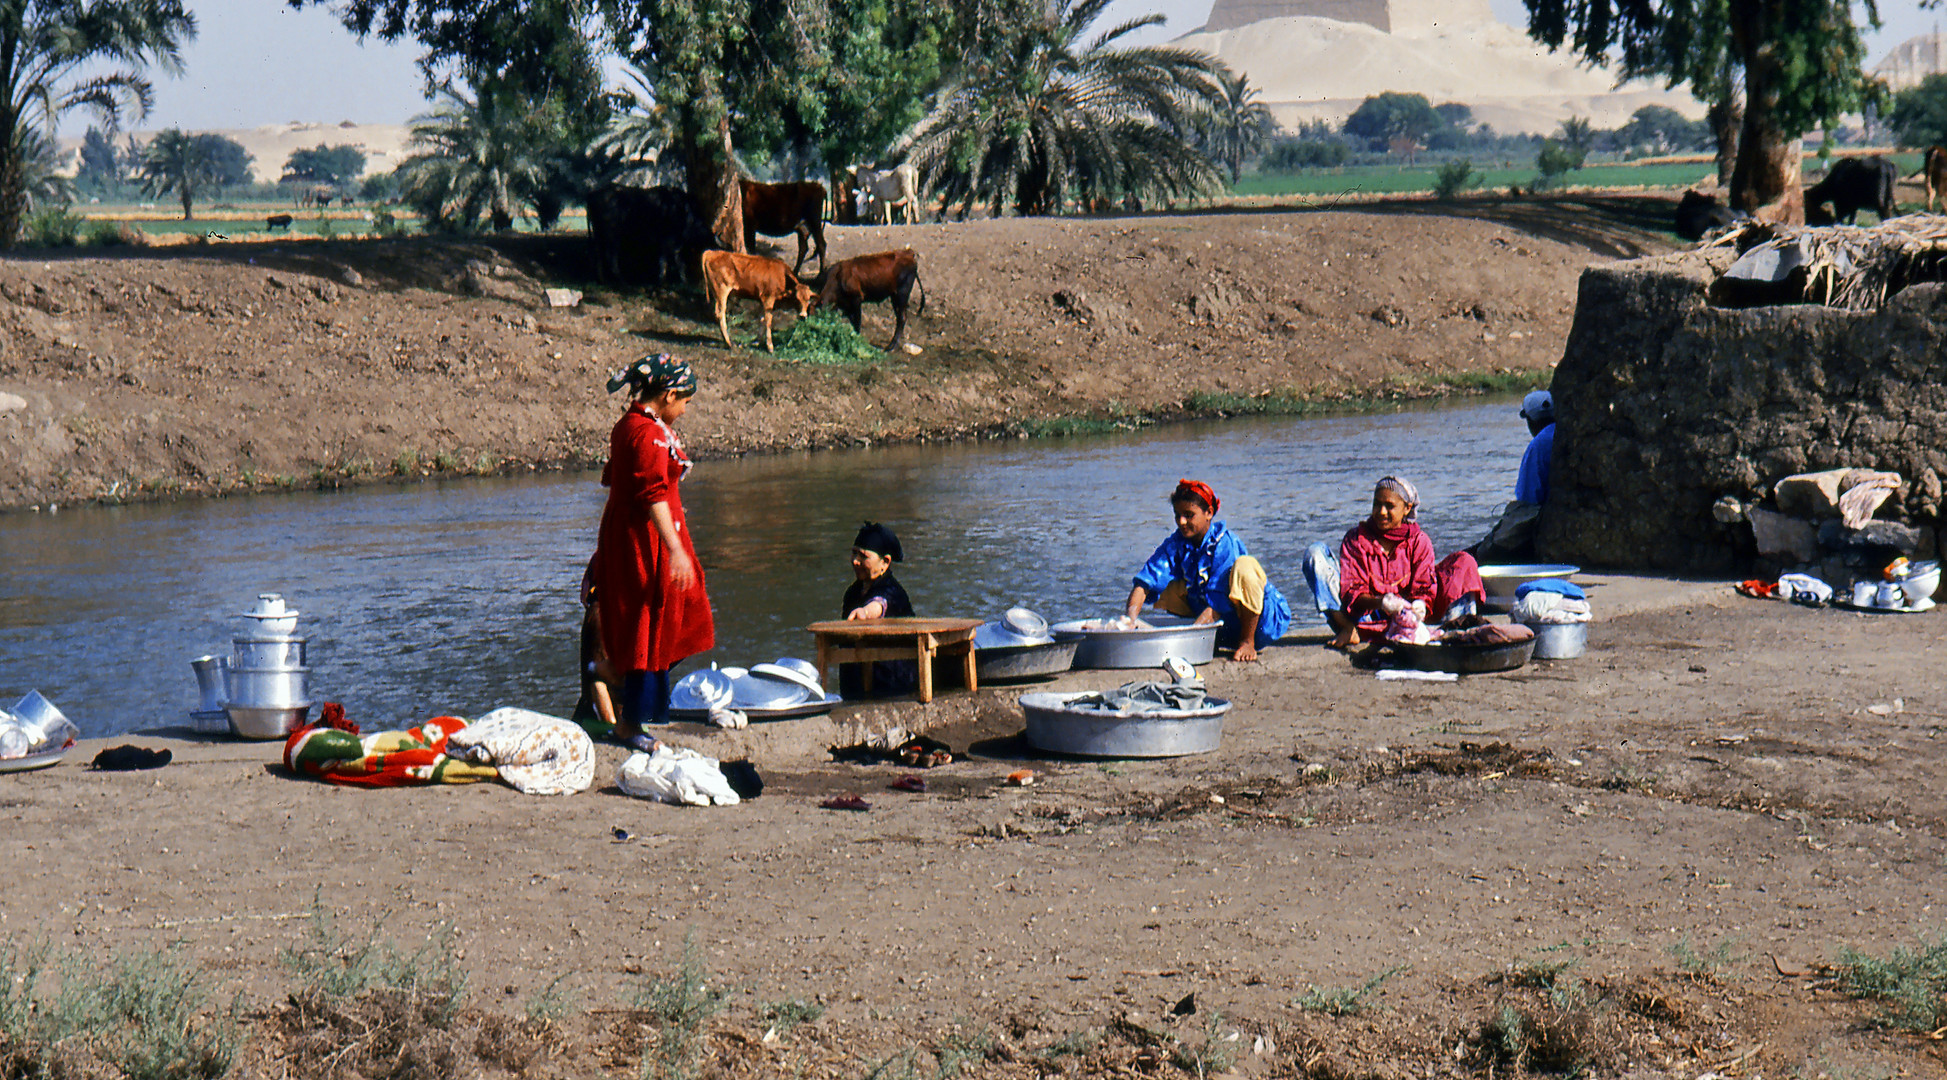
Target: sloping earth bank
1635	864
259	365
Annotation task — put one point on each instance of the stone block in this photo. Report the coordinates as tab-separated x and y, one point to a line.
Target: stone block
1787	539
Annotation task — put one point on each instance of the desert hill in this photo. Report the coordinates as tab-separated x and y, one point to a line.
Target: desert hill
1313	68
269	146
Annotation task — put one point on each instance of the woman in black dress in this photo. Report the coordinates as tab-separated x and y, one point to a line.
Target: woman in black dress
876	594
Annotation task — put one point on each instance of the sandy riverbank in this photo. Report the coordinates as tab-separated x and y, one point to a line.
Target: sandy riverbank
146	374
1677	831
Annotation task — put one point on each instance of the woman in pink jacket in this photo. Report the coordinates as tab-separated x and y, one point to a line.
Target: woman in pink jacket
1388	554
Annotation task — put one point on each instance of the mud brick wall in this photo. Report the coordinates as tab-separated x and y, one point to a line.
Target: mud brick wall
1666	403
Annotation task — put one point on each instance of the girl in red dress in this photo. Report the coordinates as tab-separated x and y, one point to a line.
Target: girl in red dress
654	612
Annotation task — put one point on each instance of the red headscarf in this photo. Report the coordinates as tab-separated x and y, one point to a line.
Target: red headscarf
1198	490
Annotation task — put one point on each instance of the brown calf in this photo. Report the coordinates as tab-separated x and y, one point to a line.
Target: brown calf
764	279
783	209
868	279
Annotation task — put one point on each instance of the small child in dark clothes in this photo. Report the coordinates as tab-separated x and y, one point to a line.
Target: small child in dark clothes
876	594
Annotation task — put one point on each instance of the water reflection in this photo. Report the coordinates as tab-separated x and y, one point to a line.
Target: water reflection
459	596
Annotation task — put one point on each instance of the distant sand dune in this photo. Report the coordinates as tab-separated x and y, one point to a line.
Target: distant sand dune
271	145
1320	69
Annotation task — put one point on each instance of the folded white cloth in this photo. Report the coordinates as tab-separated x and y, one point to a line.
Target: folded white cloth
1411	675
678	776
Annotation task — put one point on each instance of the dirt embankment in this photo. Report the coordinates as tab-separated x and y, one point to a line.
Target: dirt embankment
219	369
1648	862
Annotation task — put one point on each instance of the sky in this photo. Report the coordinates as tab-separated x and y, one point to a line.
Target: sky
257	62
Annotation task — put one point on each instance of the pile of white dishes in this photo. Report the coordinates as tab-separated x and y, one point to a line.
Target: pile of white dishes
785	685
1018	626
34	727
267	680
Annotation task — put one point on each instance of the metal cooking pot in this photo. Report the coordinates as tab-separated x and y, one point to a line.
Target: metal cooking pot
1040	660
271	652
1465	659
1051	726
279	688
209	680
1165	638
45	725
254	722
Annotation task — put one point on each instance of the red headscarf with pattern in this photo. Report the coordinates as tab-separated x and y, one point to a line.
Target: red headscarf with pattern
1187	490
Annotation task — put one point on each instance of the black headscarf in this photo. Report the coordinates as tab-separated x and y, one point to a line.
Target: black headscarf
879	540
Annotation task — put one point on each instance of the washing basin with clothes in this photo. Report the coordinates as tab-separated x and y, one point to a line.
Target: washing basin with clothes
1500	581
1077	723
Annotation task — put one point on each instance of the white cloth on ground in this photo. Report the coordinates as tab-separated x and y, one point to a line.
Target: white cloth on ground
1803	588
678	776
1412	675
536	754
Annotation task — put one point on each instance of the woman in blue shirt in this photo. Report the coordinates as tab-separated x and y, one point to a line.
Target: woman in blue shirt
1203	571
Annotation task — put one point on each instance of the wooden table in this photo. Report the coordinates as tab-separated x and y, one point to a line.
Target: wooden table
862	641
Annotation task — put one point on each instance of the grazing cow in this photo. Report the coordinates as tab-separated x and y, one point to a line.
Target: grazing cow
1852	185
277	221
784	209
889	189
1698	214
637	233
868	279
1934	172
760	277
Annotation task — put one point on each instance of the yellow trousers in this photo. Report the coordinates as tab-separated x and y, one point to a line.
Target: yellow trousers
1247	582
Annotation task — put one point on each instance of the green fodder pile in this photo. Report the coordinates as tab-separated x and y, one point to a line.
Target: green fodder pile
824	337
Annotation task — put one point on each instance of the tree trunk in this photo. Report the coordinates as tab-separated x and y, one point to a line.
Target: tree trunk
1725	118
845	209
188	194
13	195
1765	182
715	187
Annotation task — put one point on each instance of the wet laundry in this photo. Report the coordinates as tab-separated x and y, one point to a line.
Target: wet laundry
677	776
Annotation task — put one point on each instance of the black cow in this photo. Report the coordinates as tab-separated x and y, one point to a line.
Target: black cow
1699	214
1852	185
277	221
635	233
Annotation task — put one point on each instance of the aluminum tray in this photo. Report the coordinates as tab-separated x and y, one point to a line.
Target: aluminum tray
1037	661
1166	637
1465	659
791	712
1055	729
40	760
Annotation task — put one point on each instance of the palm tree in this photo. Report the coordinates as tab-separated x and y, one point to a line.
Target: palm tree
497	154
638	146
1241	124
64	54
1044	118
177	162
42	184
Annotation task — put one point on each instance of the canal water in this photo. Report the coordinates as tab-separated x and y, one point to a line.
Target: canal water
459	596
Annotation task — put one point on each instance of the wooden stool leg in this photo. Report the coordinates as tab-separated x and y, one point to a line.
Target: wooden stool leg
925	658
967	659
824	664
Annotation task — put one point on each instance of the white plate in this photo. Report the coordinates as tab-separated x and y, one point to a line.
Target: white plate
33	761
790	675
1875	609
755	691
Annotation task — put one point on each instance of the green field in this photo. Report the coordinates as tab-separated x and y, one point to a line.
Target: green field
1356	180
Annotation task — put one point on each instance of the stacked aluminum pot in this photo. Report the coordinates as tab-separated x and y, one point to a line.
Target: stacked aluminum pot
268	680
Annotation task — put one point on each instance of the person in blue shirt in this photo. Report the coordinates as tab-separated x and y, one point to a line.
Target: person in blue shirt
1203	572
1513	537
